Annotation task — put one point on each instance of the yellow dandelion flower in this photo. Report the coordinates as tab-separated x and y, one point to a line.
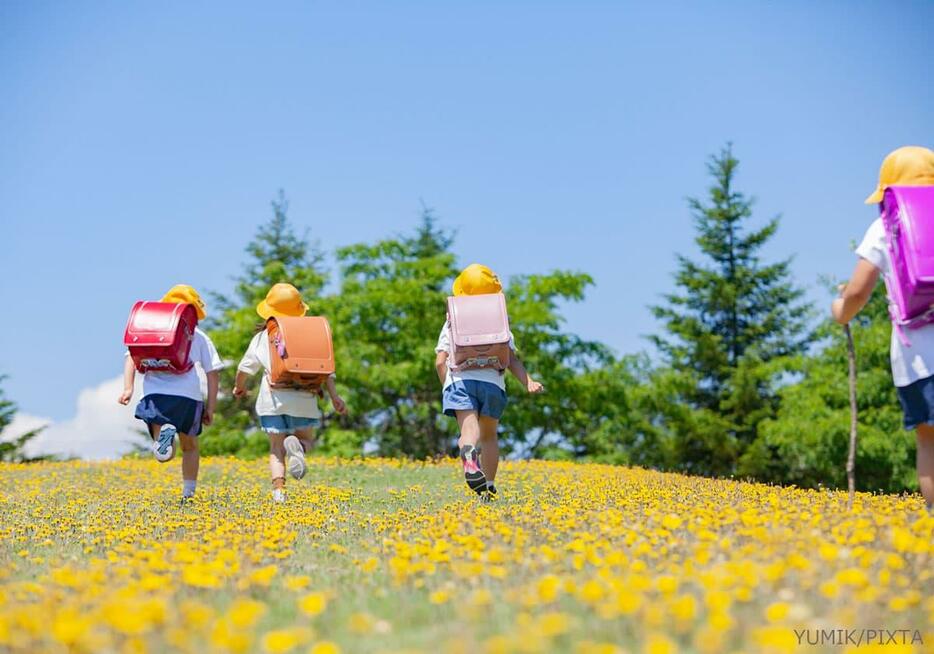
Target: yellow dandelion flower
361	623
553	624
313	604
244	613
439	597
776	612
325	647
296	582
659	644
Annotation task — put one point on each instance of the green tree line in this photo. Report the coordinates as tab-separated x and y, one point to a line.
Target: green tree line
742	379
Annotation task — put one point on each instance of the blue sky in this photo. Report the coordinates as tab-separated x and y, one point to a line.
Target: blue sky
140	144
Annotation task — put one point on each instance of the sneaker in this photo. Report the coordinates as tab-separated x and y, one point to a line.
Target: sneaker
491	489
278	495
162	447
476	480
296	457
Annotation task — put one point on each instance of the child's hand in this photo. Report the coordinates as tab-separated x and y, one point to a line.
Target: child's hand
207	417
339	405
535	387
125	396
239	391
836	309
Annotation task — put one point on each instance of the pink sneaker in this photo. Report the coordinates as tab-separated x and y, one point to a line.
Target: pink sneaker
476	480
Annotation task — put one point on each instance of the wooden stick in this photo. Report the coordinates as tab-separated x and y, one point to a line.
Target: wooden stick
851	456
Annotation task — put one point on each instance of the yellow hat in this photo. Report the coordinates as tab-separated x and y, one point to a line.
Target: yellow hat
185	294
911	165
477	279
282	300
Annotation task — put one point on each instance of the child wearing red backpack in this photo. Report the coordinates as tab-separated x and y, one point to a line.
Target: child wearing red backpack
476	396
172	402
912	350
288	416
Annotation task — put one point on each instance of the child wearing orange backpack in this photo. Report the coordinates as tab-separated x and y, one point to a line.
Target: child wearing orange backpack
288	416
912	358
172	403
477	397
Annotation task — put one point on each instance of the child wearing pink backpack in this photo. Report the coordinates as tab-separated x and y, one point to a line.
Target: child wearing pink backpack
474	351
900	246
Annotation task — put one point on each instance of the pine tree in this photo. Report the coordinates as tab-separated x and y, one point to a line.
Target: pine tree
13	449
276	254
733	319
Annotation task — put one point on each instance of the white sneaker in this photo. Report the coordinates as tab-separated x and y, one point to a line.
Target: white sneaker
163	447
278	495
296	460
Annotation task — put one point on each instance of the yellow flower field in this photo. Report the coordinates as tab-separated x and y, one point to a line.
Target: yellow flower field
391	556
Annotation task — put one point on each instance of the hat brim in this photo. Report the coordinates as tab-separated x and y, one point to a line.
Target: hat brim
876	196
266	312
174	299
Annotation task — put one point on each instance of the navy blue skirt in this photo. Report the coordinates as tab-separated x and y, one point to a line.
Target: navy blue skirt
183	412
917	400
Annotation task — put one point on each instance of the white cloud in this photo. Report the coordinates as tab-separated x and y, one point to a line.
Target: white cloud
100	429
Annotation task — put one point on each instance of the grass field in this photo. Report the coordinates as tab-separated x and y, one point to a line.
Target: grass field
390	556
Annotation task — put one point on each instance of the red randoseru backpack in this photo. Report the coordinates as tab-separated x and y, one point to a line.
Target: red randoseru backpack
159	335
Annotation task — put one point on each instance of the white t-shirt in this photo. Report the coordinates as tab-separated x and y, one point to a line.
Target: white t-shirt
188	384
275	401
909	362
485	375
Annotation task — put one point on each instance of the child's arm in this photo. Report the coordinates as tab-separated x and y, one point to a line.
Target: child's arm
518	369
336	400
855	293
214	380
239	389
441	366
129	376
249	365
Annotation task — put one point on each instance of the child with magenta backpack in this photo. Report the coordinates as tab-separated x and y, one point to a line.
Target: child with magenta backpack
899	245
297	357
474	351
164	344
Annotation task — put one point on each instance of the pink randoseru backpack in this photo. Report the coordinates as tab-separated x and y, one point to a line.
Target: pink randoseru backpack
908	216
479	332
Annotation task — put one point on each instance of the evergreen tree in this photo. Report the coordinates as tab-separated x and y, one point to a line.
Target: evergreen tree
276	254
13	449
729	327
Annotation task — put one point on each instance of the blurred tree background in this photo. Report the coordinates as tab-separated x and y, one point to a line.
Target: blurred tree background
739	381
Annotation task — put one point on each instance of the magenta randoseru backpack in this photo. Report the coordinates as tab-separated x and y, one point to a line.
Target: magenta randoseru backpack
908	216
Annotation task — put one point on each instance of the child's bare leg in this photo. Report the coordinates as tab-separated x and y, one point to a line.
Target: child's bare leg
191	458
277	460
306	437
925	462
489	447
469	425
